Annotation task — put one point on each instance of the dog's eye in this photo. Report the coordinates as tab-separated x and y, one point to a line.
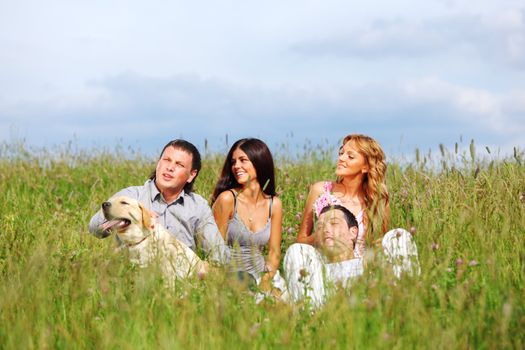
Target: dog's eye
124	203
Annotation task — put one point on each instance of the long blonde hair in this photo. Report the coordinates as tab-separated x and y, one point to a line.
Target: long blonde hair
374	181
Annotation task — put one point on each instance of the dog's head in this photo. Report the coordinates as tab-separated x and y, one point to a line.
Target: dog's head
128	219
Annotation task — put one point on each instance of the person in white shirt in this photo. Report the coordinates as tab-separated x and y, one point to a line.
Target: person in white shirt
310	269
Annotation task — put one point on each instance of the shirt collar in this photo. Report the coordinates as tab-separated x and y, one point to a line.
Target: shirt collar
153	190
155	193
180	198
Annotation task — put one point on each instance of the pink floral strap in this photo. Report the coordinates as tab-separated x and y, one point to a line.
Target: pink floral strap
325	199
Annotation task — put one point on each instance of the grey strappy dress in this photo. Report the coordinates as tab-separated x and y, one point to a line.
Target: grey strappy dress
247	246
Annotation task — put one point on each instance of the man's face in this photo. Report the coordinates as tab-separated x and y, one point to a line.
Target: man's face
335	237
174	169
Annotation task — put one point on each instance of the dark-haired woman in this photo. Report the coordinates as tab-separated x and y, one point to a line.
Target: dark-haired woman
248	213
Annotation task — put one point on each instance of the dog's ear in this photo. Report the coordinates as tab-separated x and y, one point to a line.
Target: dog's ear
146	217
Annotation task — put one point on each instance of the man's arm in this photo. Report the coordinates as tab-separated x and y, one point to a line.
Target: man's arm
95	225
209	236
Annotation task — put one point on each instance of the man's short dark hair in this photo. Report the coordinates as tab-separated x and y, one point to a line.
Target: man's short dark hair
350	219
195	159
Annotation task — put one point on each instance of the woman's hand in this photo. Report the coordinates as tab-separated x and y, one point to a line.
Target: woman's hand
266	283
267	287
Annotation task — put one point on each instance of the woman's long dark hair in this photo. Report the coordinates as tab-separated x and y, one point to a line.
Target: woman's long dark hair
262	161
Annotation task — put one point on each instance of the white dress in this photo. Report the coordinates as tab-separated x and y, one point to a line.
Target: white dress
309	275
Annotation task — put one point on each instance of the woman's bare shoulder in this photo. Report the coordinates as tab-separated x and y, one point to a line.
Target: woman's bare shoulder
318	187
225	199
276	203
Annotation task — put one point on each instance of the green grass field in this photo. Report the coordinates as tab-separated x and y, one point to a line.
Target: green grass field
62	288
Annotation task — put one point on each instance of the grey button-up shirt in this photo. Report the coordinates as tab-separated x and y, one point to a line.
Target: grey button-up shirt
188	218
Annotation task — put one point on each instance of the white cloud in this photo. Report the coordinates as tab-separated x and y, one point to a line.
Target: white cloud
497	36
202	70
134	107
500	113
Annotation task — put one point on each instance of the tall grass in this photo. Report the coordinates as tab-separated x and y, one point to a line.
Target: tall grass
62	288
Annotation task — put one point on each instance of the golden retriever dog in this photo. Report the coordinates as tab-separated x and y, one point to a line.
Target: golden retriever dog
146	240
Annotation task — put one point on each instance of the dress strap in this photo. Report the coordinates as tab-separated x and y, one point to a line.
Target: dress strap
271	202
234	200
327	186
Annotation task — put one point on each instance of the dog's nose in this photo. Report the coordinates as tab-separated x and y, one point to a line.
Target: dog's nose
106	205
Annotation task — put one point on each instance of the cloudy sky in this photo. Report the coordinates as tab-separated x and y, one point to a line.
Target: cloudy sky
139	73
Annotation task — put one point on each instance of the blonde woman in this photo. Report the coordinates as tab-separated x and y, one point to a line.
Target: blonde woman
360	187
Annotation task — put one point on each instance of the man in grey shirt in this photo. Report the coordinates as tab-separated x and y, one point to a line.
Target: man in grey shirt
169	194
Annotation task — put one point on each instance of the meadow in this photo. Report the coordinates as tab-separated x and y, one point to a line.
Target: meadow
63	288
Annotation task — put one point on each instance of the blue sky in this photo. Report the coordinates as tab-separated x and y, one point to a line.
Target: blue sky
136	73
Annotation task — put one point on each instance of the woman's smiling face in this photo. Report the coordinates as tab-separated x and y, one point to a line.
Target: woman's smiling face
350	161
242	167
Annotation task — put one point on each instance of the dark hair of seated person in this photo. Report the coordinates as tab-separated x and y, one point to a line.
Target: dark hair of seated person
350	219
